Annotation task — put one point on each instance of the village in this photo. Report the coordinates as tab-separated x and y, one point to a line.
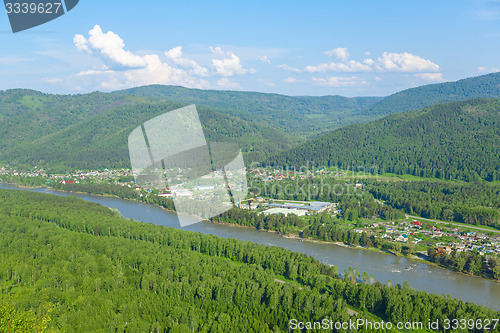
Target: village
422	234
444	239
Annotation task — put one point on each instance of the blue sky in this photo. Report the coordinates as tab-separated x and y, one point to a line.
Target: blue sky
350	48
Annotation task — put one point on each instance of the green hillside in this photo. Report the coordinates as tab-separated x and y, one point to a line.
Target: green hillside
91	131
302	116
458	140
485	86
309	116
84	269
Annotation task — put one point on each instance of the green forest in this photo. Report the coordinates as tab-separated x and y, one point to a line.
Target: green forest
309	116
476	203
457	140
68	265
71	265
61	132
89	131
302	116
484	86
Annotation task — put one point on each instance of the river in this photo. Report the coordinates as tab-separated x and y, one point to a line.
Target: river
382	266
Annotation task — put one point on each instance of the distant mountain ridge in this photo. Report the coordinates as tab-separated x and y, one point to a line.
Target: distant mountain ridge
91	130
308	116
304	116
485	86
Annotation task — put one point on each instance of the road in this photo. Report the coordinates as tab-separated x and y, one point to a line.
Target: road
455	224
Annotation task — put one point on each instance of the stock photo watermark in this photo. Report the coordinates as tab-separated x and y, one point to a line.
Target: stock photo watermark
360	323
309	181
170	152
26	14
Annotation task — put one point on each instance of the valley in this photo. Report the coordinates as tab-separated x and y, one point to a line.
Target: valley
377	177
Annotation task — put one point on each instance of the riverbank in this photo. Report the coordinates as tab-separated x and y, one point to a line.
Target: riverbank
413	258
290	236
373	249
383	267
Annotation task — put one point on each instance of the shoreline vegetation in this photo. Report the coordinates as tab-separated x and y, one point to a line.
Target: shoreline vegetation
289	235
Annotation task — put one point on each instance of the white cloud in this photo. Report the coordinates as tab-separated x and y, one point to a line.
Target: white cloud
336	81
289	68
388	62
110	47
290	80
369	62
125	69
433	77
94	72
229	65
227	83
218	67
53	80
487	69
175	55
349	66
404	62
265	59
158	72
81	43
340	52
267	82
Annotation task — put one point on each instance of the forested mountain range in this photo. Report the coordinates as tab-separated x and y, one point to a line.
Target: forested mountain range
485	86
91	130
459	140
308	116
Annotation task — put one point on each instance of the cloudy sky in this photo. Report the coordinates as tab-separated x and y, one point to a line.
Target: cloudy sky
350	48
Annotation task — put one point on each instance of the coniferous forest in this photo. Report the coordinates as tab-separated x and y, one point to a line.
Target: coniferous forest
475	203
449	141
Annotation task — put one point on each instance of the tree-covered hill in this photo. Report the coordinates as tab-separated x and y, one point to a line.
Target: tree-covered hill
91	131
308	116
302	116
459	140
485	86
83	269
